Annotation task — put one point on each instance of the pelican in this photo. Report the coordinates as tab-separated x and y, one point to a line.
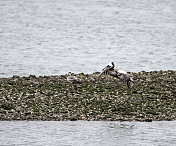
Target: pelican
122	75
72	79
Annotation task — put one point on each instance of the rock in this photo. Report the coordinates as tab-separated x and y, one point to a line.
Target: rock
52	98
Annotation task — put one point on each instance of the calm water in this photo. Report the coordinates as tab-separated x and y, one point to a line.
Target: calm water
52	37
81	133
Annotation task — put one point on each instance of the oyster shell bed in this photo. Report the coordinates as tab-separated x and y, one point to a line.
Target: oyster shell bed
153	97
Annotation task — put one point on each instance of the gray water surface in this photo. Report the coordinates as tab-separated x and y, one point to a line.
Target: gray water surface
81	133
53	37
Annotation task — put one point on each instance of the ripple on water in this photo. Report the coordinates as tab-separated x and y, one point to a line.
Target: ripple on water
84	36
87	133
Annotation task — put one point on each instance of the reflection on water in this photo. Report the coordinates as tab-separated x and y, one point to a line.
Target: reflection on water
87	133
53	37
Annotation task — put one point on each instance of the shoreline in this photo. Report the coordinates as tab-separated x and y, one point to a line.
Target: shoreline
152	98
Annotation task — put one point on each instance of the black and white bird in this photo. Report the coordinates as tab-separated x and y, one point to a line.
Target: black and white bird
118	73
72	79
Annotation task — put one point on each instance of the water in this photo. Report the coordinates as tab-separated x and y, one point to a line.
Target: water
81	133
53	37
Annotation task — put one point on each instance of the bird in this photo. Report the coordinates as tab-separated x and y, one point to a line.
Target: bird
72	79
117	73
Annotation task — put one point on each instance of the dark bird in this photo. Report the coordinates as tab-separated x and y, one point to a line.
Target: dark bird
120	74
72	79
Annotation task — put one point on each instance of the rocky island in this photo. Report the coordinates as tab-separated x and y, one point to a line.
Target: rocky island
152	97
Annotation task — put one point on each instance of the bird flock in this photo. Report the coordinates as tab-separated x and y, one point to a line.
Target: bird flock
107	70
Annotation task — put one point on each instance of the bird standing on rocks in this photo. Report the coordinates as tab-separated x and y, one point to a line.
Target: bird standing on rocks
72	79
122	75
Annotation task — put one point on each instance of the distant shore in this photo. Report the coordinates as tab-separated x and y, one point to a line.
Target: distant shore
152	98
